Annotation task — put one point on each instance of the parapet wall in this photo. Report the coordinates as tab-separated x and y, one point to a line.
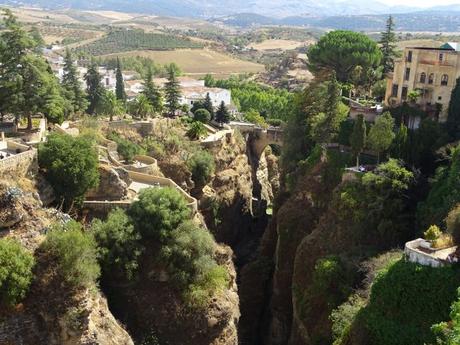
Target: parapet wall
20	164
164	182
415	255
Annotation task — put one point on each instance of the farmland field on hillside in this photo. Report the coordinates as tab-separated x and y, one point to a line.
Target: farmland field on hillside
127	40
200	61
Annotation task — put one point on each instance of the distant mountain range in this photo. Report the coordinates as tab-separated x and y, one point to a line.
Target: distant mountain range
334	14
428	20
206	8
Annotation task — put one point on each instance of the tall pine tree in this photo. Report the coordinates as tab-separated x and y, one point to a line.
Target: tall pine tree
152	92
358	137
94	88
388	46
120	85
222	114
453	112
72	87
172	92
207	104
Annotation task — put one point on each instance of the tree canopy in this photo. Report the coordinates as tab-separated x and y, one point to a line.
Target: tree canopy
342	51
70	165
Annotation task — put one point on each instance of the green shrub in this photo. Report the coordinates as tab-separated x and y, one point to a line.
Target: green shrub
188	255
154	148
158	212
118	244
196	130
70	165
432	233
406	299
202	166
16	265
126	148
75	253
202	115
448	333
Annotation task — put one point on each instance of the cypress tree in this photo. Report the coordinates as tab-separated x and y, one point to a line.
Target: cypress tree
207	104
120	85
172	92
358	137
453	112
222	114
72	86
94	88
152	92
388	46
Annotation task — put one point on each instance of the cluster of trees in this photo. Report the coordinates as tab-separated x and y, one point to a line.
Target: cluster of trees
141	65
271	103
158	225
121	40
27	84
359	63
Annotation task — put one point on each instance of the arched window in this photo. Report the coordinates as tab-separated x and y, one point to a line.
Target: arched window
444	79
423	77
431	78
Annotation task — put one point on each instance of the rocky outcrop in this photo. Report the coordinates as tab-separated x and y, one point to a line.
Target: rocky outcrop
51	313
153	308
113	184
230	192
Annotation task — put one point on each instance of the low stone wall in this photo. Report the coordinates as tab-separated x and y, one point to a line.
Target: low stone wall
144	127
20	164
150	165
217	139
164	182
415	255
105	206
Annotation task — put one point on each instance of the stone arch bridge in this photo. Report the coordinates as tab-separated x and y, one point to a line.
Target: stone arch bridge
259	138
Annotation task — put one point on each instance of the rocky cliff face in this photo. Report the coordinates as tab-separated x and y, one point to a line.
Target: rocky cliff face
153	309
50	314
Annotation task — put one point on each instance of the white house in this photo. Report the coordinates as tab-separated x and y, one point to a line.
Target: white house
190	95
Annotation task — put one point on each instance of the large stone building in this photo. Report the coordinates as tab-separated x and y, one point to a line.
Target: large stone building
432	72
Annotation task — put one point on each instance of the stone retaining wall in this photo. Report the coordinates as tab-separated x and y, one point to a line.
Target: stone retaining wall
19	164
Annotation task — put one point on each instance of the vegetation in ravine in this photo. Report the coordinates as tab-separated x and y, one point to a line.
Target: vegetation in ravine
16	265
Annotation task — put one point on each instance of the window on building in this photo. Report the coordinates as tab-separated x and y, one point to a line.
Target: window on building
439	98
404	93
423	77
441	57
394	90
407	74
444	79
431	78
409	56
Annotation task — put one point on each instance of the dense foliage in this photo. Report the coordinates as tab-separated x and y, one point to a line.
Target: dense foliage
158	211
268	101
342	51
74	252
118	245
117	41
202	166
16	265
189	256
400	312
70	165
126	148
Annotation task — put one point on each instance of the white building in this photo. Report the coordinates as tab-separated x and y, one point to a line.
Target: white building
190	95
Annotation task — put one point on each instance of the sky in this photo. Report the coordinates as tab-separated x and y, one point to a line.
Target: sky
420	3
